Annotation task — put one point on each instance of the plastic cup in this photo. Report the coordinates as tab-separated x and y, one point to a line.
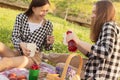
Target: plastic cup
32	48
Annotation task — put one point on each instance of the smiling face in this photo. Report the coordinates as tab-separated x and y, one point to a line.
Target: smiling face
40	12
93	15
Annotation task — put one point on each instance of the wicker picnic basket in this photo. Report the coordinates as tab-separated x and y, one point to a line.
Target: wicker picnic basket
75	77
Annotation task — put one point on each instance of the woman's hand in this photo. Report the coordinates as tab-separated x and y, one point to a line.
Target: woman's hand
50	39
26	51
72	36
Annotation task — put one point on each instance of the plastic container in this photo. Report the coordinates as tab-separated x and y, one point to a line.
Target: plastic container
71	44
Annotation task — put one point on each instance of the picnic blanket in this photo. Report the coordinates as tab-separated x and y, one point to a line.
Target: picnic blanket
44	67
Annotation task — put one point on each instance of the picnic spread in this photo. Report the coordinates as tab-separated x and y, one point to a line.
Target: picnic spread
45	71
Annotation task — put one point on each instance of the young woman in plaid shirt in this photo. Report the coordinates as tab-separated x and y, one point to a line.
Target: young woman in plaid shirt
103	56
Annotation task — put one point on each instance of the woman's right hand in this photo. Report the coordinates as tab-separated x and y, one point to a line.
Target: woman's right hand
72	36
50	39
26	51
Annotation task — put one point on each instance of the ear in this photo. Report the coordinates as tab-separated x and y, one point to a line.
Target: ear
76	77
33	9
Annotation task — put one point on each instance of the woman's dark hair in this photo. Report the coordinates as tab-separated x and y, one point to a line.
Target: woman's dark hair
36	3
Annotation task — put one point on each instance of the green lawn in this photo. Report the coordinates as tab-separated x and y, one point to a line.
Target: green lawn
7	19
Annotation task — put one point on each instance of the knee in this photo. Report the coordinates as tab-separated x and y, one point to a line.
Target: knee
4	59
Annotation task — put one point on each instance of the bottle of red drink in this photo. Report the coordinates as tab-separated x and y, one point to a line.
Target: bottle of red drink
34	72
71	44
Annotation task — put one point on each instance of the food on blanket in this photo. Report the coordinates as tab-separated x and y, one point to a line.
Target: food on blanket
43	74
52	77
59	71
76	77
21	77
13	76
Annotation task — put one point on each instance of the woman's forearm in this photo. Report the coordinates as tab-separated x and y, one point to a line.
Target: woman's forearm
83	47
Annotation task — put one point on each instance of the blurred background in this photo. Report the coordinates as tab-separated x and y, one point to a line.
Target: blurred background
65	14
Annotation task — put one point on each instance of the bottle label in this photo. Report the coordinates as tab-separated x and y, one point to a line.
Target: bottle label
71	44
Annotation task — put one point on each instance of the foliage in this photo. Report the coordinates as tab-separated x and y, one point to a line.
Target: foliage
75	6
79	8
115	0
26	1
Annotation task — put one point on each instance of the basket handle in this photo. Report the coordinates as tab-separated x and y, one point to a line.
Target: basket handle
67	64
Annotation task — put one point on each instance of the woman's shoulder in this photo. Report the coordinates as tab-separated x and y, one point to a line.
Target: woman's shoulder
21	15
111	25
48	21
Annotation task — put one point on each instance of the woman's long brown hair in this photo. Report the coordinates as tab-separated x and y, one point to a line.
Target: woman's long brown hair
105	12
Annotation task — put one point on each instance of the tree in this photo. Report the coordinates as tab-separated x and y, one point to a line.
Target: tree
66	6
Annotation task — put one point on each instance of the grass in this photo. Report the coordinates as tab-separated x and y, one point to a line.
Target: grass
7	20
117	6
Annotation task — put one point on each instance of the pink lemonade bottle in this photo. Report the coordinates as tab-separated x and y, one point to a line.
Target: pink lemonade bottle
71	44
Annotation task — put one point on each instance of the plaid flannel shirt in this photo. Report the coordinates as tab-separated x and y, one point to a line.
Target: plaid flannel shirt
104	58
21	33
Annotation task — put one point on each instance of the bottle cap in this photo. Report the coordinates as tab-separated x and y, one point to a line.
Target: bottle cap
69	31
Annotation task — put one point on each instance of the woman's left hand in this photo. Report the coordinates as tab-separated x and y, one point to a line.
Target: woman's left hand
50	39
